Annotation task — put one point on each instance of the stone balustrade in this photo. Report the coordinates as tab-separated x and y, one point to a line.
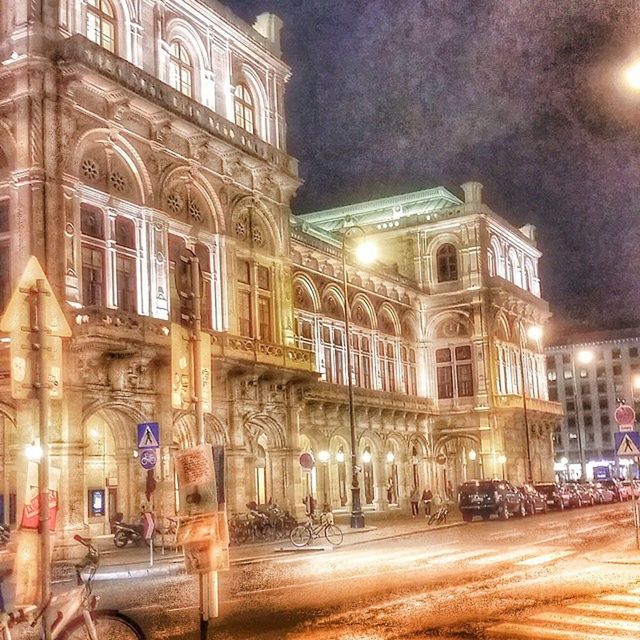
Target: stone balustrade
533	404
81	50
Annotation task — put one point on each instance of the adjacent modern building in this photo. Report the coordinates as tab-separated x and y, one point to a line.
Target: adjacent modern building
135	134
590	374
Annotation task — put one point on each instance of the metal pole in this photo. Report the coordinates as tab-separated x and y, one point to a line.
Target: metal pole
357	517
526	417
583	472
42	386
635	511
208	602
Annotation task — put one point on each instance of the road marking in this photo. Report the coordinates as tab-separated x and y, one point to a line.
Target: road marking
598	607
505	557
527	631
586	621
544	559
464	555
622	598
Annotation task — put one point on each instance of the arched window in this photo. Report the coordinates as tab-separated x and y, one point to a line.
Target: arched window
447	261
244	108
101	24
180	68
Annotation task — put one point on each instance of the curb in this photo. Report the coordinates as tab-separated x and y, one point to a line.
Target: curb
174	566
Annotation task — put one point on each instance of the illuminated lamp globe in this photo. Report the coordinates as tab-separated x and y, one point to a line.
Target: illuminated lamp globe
366	252
472	455
534	332
502	458
632	76
34	452
564	461
636	382
390	457
340	456
585	357
366	456
324	456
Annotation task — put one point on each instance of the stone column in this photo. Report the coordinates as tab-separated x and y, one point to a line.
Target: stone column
237	483
380	482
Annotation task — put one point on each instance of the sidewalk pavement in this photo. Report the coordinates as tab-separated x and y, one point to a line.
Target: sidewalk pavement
133	562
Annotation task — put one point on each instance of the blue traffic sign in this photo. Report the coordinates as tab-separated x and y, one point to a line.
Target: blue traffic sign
627	443
148	459
148	435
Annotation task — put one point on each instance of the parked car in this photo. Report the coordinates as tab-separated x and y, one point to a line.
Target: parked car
577	496
589	493
632	488
605	494
485	498
535	502
557	496
620	492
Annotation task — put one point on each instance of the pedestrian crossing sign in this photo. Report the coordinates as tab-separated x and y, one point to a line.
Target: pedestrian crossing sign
148	435
627	443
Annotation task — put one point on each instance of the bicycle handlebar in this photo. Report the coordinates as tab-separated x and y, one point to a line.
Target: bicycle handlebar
83	541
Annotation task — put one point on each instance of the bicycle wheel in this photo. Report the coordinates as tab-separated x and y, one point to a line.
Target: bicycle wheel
110	625
120	539
300	536
333	534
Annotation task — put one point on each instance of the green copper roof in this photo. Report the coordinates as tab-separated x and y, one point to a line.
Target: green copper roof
382	210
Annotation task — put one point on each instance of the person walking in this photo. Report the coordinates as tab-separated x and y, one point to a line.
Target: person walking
414	498
427	498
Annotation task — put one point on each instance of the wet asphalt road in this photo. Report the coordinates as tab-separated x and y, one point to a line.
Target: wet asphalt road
455	583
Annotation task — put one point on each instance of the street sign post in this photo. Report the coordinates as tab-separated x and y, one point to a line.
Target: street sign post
148	435
148	459
36	323
627	444
624	415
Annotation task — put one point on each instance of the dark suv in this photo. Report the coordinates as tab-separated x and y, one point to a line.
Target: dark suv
486	497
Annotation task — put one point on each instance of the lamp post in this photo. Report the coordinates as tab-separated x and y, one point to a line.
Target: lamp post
324	457
365	253
583	357
502	459
534	333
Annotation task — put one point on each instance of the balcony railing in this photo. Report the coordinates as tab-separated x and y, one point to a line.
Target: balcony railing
533	404
227	345
81	50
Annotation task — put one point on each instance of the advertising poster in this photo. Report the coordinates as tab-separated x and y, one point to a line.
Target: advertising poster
31	512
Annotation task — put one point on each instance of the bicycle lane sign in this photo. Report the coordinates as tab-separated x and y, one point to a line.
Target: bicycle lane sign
148	443
148	459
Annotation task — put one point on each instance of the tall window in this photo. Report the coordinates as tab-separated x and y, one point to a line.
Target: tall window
206	281
334	350
93	257
180	69
5	256
255	301
244	109
101	24
454	372
387	358
361	360
447	262
126	291
409	377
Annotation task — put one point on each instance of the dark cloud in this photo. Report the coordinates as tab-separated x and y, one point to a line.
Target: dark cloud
523	95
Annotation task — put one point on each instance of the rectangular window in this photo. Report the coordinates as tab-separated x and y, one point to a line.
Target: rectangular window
445	382
616	354
604	419
5	273
126	283
264	318
4	216
244	272
633	352
244	314
617	370
443	355
465	380
92	276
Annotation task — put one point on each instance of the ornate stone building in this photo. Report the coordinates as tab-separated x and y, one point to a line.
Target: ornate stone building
131	132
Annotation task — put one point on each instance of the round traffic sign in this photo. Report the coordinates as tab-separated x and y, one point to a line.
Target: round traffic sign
441	458
148	459
307	461
625	414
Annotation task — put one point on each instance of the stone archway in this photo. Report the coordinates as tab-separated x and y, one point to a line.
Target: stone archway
462	463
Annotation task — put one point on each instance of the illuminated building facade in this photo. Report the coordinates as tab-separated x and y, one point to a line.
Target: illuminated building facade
132	134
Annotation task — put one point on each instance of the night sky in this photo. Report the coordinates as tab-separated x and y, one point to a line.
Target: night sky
524	96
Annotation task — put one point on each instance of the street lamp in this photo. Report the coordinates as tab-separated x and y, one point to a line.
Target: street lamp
365	253
34	451
390	457
583	357
366	456
632	76
534	332
502	459
472	455
324	457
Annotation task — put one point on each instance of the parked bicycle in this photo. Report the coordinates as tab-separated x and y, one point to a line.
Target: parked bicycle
302	535
261	522
72	615
439	516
